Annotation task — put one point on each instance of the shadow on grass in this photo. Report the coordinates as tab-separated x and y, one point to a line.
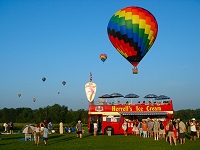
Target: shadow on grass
187	136
60	138
56	136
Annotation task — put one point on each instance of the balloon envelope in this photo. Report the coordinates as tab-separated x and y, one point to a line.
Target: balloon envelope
132	31
63	82
34	99
103	57
43	79
19	95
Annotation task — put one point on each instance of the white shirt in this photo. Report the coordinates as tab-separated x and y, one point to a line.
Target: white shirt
95	125
193	128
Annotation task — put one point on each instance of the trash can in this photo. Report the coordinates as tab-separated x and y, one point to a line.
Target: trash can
109	133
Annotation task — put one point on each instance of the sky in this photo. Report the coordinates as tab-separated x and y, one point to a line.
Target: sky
62	41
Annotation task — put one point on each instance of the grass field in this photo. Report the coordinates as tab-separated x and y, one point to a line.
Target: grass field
89	142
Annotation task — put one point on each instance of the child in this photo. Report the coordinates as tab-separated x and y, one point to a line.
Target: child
45	135
83	130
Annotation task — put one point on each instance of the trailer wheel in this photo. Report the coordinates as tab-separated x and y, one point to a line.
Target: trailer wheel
109	129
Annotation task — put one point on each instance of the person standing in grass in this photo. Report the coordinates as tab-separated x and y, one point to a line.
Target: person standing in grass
124	127
193	130
162	130
156	127
37	130
5	127
11	127
144	128
79	129
45	133
61	127
198	128
182	130
170	128
95	128
140	128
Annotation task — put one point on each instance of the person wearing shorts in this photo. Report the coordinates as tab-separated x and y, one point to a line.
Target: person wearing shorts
162	130
79	129
37	130
182	130
170	127
193	130
45	135
156	127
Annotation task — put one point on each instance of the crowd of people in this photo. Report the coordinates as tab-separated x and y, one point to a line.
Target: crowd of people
173	131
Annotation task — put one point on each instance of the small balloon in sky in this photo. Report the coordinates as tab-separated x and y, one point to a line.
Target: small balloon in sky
43	79
19	95
34	99
103	57
63	82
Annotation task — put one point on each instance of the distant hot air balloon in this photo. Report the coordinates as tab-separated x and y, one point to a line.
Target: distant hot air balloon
63	82
103	57
43	79
132	31
34	99
19	95
58	92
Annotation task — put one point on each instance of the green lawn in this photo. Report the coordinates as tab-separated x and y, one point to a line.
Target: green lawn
114	142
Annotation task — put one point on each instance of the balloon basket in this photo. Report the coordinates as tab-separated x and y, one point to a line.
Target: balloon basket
135	70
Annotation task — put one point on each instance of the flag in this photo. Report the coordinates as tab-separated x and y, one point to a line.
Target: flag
90	77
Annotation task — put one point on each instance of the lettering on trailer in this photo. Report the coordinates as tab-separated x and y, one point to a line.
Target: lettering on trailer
125	108
137	108
148	108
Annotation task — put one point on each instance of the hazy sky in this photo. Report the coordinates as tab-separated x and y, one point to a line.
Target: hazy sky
62	40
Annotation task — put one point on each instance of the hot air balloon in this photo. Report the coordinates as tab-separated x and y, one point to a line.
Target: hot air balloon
132	31
43	79
63	82
19	95
34	99
103	57
58	92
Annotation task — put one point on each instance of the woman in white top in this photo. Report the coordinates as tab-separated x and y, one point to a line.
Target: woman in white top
193	130
124	127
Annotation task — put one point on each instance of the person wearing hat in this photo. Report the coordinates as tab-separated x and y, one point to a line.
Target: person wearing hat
193	130
79	129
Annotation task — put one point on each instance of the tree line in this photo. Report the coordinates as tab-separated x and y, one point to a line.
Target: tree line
56	113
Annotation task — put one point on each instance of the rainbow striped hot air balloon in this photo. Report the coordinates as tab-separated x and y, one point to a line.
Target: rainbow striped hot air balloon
103	57
132	31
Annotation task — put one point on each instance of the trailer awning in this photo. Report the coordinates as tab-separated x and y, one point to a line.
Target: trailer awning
142	113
